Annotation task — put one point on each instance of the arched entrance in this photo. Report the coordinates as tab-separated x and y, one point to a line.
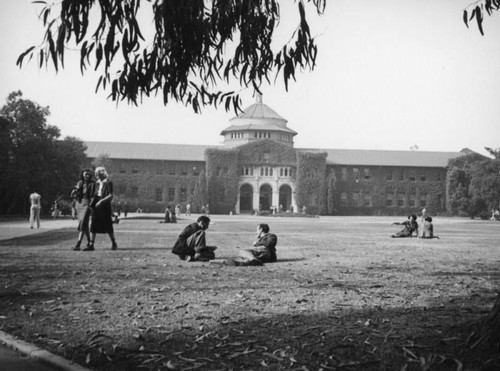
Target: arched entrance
285	197
246	198
266	197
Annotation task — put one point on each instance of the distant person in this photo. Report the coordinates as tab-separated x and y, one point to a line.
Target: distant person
410	226
264	250
35	208
188	209
191	243
55	212
207	210
178	210
424	214
102	214
83	191
169	217
428	229
125	209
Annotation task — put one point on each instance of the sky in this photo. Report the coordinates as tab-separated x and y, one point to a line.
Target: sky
390	75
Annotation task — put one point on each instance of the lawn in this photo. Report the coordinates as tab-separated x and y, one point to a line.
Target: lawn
343	296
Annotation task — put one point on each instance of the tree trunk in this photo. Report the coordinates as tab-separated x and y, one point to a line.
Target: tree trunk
490	328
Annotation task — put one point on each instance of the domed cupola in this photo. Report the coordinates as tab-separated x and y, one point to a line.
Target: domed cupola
257	122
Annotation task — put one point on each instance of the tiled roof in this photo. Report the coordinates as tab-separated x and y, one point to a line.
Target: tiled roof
190	152
259	126
259	111
148	151
386	158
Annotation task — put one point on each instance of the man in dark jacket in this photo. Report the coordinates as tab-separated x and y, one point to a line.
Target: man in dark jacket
264	250
191	243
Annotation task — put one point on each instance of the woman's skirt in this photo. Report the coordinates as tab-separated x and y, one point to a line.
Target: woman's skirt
102	221
83	213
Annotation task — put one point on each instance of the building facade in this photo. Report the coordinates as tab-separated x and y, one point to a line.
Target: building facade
258	168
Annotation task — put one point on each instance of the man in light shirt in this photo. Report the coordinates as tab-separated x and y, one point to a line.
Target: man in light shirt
35	209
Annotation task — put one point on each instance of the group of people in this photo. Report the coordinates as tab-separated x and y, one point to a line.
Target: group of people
495	215
93	204
191	245
411	227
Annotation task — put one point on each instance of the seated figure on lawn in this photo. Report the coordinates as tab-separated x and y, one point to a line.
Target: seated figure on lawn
410	226
191	243
428	229
264	250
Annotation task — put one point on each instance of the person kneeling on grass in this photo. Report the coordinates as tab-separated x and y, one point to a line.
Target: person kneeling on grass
410	226
191	243
264	250
428	231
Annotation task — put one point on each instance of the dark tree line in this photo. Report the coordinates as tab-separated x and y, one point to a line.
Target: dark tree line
474	184
33	156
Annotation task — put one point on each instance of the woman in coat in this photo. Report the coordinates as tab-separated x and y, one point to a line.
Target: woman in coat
82	193
102	214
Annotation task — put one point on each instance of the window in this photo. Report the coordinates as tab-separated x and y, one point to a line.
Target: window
412	176
355	199
401	175
122	170
423	200
134	191
196	172
423	178
159	194
135	170
184	171
439	177
412	202
344	173
355	173
159	170
389	199
367	200
401	199
367	174
183	194
389	174
343	199
171	194
172	170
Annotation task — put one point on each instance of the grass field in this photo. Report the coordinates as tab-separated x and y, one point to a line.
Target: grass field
343	296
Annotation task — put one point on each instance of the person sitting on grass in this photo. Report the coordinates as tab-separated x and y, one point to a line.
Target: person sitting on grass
264	250
428	231
191	243
410	226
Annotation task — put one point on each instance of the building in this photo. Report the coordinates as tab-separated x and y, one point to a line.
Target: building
258	168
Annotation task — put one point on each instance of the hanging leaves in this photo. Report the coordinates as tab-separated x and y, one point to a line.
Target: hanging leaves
477	9
185	58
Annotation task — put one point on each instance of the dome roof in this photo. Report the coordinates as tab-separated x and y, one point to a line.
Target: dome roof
258	116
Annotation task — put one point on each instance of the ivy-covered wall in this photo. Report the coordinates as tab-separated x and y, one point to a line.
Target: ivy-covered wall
374	189
266	152
222	179
311	182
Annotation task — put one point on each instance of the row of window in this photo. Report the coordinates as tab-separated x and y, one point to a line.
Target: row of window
410	175
400	200
267	171
160	171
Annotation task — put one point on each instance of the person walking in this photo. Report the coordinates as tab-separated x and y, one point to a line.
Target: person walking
35	209
102	221
83	192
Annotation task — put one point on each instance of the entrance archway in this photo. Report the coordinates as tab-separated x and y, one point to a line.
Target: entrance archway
266	196
285	197
246	198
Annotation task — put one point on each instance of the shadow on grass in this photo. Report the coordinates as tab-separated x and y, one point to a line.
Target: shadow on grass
374	339
43	239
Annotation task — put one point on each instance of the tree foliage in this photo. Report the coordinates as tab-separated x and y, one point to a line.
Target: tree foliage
32	155
473	185
477	11
186	55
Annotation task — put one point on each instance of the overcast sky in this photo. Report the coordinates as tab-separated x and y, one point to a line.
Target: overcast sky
390	74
